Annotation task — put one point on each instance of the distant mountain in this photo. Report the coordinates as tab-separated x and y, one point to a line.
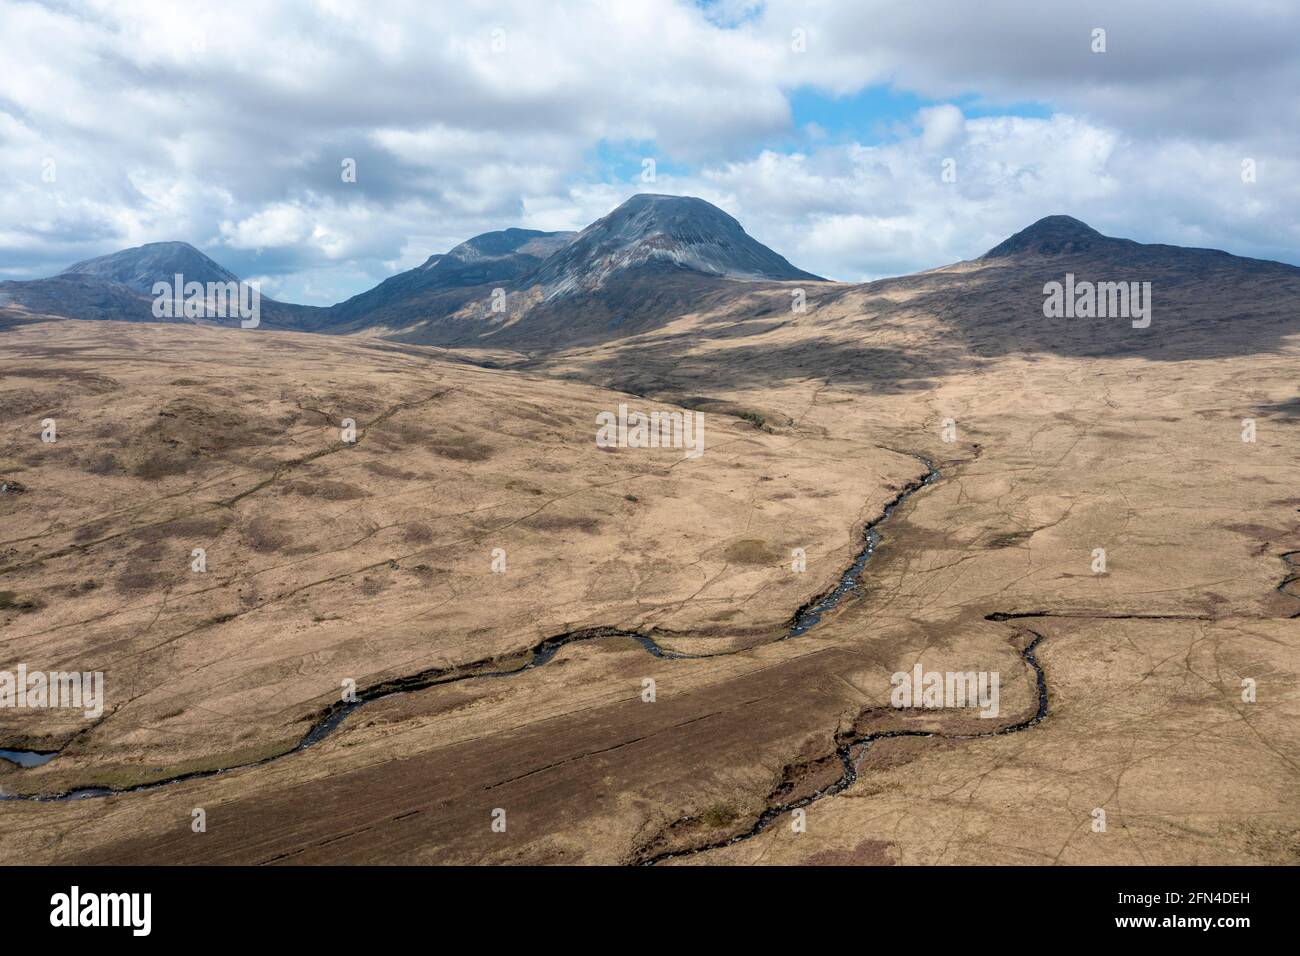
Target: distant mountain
1067	238
78	297
1202	302
119	287
1051	236
651	260
650	229
493	257
140	267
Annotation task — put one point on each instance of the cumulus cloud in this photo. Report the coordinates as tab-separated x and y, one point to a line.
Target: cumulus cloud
1184	67
226	125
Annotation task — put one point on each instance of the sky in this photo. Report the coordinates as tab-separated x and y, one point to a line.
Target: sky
825	128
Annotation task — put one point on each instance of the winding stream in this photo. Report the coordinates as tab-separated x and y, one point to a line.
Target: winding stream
1292	577
803	620
844	748
846	745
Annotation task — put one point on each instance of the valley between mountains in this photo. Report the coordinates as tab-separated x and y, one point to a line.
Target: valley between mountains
372	560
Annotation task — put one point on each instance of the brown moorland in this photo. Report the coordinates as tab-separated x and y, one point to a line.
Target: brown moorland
1157	694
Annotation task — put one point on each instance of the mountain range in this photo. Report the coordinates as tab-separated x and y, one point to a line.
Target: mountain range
672	242
644	265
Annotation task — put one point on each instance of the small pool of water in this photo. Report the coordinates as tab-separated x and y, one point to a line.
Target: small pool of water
28	758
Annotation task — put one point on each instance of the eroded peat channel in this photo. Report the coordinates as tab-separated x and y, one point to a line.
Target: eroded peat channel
849	751
849	748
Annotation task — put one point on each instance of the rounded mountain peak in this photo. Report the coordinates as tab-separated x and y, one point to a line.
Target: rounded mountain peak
656	230
141	266
1050	236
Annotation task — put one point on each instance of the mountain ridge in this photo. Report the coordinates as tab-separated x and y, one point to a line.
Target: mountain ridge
647	238
500	256
651	260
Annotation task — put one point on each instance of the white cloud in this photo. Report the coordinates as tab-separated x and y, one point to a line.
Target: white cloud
940	125
225	125
860	212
